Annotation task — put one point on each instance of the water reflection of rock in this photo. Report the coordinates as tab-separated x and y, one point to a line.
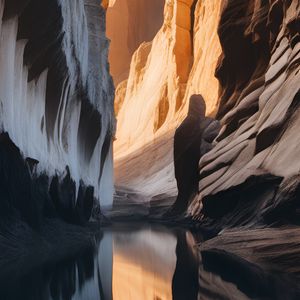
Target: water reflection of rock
226	268
47	276
185	280
138	262
226	276
143	263
251	264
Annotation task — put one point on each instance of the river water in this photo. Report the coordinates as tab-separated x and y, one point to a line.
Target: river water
129	262
145	262
142	263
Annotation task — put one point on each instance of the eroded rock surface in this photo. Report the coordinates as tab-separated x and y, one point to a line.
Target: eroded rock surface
180	61
151	103
56	98
130	23
251	176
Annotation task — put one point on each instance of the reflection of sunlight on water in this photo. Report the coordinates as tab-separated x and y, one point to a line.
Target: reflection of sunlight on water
143	264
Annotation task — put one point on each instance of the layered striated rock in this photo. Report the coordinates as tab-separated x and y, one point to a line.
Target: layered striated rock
56	111
164	73
192	140
252	175
129	23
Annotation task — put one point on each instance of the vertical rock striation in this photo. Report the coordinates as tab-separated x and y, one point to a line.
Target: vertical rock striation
56	109
129	23
252	175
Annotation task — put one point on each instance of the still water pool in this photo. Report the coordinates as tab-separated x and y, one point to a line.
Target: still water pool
127	262
146	262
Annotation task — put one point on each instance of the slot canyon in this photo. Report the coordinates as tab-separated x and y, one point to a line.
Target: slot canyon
149	150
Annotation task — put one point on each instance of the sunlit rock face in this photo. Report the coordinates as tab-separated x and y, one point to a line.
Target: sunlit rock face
56	99
180	61
252	175
152	102
129	23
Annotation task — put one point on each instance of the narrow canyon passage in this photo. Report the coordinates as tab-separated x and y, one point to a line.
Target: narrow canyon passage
149	149
242	57
163	61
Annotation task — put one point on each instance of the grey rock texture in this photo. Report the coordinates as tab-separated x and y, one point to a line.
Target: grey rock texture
56	99
251	175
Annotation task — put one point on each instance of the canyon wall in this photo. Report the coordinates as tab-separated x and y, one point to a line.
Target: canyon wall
153	100
252	174
56	112
129	23
164	73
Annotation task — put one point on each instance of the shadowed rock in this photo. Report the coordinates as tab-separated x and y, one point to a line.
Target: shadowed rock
192	139
185	279
249	278
251	177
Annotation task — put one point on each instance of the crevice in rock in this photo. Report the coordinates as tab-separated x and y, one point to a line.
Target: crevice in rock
240	204
89	129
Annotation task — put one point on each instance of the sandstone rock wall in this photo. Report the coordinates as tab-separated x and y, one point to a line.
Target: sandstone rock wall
252	175
129	23
164	73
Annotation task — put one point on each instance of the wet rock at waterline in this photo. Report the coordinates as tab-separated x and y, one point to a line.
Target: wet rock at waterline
56	99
